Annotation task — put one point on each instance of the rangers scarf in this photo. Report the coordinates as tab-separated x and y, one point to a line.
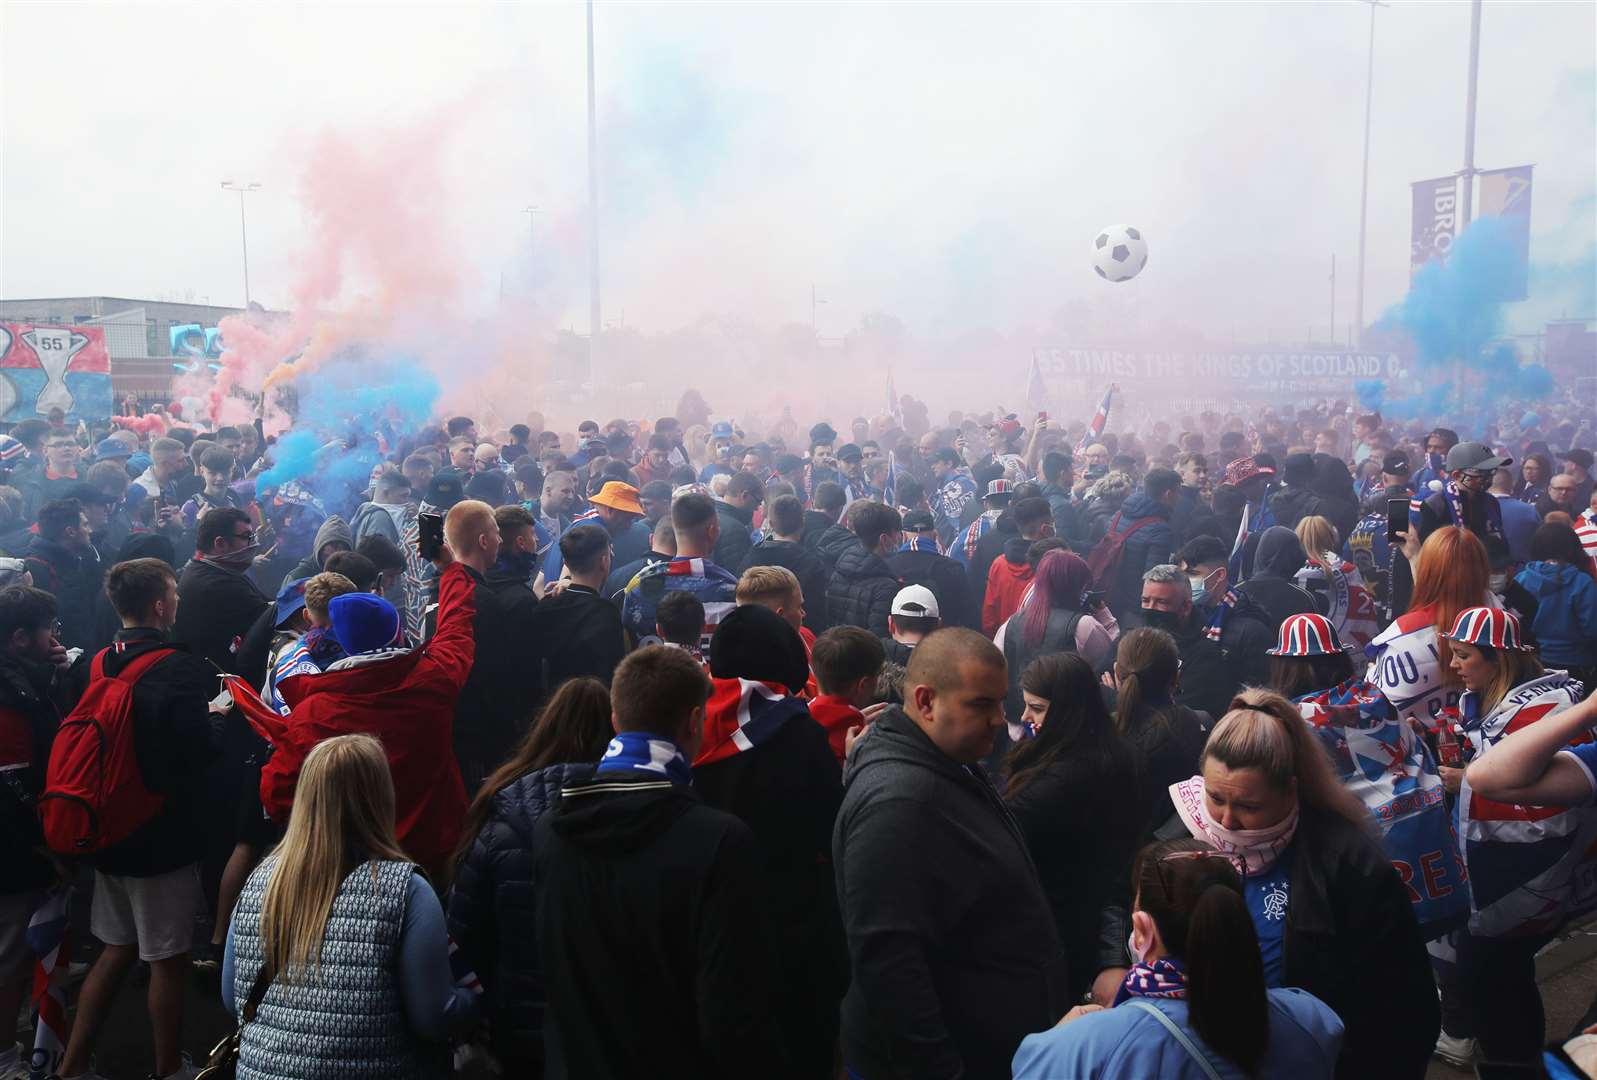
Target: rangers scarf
741	715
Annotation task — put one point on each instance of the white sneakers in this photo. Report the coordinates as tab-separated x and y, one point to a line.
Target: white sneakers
1455	1051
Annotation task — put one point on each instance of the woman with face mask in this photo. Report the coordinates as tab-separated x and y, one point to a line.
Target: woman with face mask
1195	1005
1331	914
1166	736
1066	786
1518	899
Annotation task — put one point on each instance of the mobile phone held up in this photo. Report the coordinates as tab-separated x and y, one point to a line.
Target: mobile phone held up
1396	520
429	536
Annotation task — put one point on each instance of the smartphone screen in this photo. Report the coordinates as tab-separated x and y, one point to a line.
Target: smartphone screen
1396	519
429	535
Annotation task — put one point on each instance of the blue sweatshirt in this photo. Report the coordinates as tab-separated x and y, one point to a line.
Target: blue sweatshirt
1566	613
1305	1038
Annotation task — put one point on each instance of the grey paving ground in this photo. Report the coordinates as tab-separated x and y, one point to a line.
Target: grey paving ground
1567	972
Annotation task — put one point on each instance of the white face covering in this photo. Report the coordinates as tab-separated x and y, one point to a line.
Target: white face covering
1138	956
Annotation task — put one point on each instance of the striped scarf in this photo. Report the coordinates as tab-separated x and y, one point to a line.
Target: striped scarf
920	543
638	751
1222	611
1164	978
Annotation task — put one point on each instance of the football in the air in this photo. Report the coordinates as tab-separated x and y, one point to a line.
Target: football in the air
1119	253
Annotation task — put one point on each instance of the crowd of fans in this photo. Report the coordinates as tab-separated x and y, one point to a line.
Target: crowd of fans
1227	747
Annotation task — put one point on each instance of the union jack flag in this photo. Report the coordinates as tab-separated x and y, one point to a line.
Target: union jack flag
1100	420
743	713
1530	867
48	937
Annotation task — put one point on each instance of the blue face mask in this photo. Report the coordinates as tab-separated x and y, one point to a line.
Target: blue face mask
1200	592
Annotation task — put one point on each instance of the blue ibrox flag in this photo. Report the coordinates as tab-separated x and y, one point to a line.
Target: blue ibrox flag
1100	420
1381	760
893	408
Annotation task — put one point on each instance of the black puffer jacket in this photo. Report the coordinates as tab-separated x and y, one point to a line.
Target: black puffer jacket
812	572
831	544
736	540
1292	504
491	915
945	578
861	591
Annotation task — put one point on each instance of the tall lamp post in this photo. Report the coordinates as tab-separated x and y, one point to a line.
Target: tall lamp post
243	232
1364	188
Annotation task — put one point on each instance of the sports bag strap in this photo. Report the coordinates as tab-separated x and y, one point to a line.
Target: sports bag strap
1180	1036
97	665
140	664
1135	525
263	980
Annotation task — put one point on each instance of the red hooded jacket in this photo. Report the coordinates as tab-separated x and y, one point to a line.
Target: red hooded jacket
408	701
1006	587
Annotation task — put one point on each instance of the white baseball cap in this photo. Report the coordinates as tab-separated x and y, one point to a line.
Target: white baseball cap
916	602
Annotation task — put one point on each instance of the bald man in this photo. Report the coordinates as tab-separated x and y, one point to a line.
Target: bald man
954	950
494	706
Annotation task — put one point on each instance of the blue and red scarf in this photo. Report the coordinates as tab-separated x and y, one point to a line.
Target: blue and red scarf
1222	612
1164	978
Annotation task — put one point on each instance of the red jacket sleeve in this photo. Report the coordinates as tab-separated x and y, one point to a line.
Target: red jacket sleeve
447	656
279	778
992	603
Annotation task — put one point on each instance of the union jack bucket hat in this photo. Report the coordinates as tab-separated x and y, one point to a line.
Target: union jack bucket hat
1487	628
1308	635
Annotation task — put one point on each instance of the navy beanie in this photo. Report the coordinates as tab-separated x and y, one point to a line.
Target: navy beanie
754	642
364	622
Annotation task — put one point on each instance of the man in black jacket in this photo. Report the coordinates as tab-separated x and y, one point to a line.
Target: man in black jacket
918	562
863	586
1185	601
826	510
636	878
220	601
576	631
782	780
785	548
1058	474
1296	501
30	655
493	708
744	493
956	957
65	565
146	887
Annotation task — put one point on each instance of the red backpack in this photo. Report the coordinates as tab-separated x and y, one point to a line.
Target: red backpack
1104	562
94	795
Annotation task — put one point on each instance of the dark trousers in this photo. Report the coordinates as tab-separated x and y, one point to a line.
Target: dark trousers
1495	997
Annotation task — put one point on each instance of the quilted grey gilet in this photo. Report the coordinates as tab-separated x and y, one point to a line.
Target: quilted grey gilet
344	1019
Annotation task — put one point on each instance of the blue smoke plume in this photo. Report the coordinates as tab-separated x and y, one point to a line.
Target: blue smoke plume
1454	316
351	412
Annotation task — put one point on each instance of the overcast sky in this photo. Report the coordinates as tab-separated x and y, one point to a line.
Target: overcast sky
948	164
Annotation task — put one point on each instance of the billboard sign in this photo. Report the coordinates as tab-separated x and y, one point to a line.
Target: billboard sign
53	367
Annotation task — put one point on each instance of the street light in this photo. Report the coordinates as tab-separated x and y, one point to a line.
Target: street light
1364	188
243	233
